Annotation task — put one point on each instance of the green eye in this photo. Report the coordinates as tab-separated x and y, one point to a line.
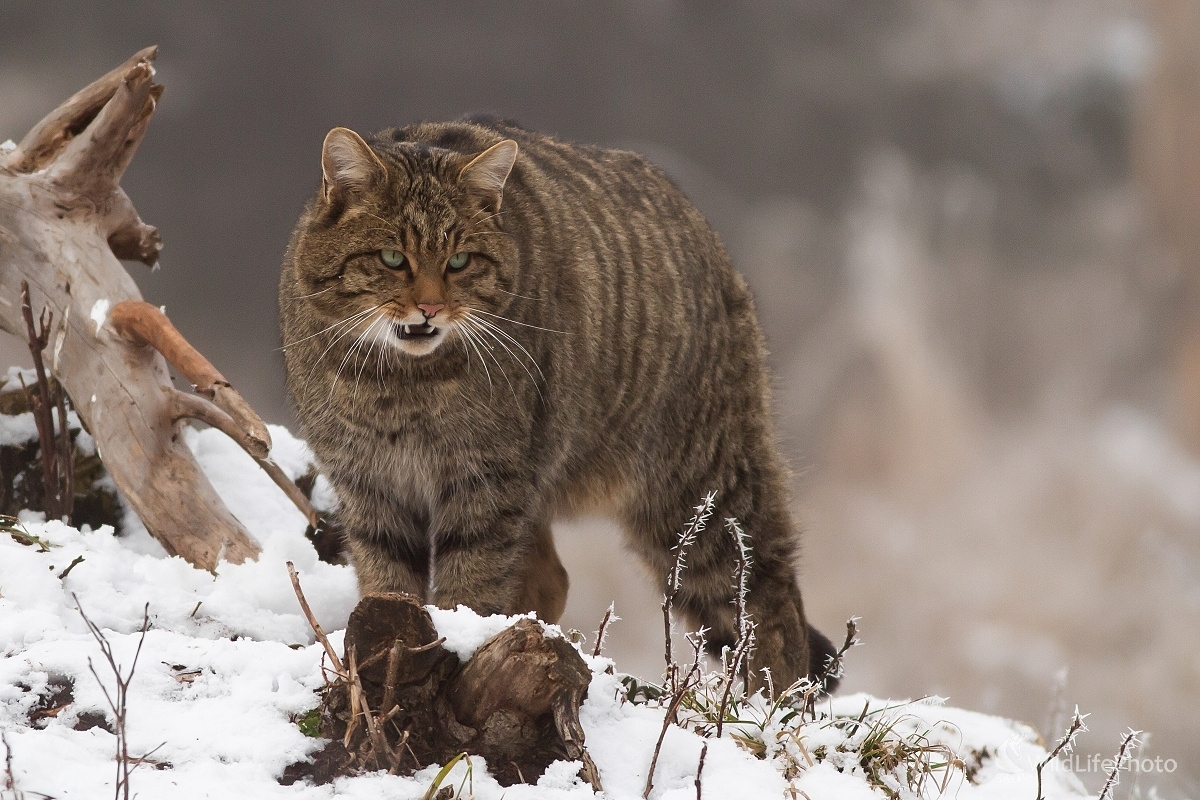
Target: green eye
458	260
392	259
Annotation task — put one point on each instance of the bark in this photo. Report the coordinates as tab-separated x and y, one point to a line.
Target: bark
64	223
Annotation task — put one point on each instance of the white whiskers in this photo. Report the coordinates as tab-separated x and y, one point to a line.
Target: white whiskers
477	327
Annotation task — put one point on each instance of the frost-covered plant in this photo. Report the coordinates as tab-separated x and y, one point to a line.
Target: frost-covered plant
1130	742
1063	747
687	537
892	750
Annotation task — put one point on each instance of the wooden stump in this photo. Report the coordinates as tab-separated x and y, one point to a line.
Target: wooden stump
406	702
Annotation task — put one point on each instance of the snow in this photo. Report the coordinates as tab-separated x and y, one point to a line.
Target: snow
99	313
17	429
465	630
21	428
229	663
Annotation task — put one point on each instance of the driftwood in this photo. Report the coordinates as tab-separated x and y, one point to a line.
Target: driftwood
400	701
64	223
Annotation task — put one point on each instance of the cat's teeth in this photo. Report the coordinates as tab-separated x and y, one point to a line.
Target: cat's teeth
422	330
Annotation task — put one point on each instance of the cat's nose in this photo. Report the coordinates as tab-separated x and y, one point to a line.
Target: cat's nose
429	309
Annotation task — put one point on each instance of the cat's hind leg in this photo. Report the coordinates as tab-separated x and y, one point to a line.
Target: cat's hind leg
751	493
544	590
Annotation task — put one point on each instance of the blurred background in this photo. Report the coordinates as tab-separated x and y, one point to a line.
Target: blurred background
972	228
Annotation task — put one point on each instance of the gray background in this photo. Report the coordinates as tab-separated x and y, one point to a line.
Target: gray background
970	315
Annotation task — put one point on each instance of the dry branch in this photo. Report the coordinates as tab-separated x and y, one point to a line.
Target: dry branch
40	404
64	223
118	700
312	621
219	404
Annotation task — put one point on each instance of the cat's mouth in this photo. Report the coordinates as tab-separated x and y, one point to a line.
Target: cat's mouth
424	331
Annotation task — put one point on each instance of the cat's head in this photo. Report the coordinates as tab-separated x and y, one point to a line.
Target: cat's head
405	241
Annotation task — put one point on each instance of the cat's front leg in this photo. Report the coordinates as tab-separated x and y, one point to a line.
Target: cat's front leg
482	543
389	563
390	552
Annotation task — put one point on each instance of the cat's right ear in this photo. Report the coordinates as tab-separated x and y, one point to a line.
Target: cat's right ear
484	177
348	165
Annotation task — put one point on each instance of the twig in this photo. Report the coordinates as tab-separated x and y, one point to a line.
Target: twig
1064	746
379	746
731	670
677	696
694	527
700	769
740	663
193	406
833	667
76	562
1128	744
398	754
119	705
745	628
38	339
215	403
9	782
393	674
312	621
609	617
66	465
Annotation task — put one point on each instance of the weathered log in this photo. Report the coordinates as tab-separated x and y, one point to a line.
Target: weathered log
64	223
405	701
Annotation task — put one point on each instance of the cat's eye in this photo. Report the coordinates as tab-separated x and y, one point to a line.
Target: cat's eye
458	261
393	259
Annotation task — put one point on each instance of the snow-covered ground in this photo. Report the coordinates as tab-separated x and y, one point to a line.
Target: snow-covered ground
229	665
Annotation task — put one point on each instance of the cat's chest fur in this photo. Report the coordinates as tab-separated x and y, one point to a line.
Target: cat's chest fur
411	445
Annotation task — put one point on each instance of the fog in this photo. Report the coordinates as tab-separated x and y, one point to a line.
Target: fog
966	225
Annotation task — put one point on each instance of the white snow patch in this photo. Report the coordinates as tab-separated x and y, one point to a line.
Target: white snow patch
99	313
7	146
15	378
229	663
17	429
466	631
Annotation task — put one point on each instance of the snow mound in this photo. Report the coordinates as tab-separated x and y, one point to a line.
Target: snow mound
228	668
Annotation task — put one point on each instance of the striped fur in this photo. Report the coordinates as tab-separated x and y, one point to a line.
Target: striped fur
610	360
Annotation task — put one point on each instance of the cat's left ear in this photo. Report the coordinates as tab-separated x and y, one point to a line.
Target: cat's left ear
484	177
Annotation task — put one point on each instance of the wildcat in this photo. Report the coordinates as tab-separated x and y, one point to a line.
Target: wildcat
486	329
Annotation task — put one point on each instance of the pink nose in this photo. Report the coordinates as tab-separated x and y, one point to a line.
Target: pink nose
429	309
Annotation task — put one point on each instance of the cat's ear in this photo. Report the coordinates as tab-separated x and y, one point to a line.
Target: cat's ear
484	177
348	164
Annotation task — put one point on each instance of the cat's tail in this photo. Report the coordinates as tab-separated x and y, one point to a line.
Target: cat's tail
821	654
